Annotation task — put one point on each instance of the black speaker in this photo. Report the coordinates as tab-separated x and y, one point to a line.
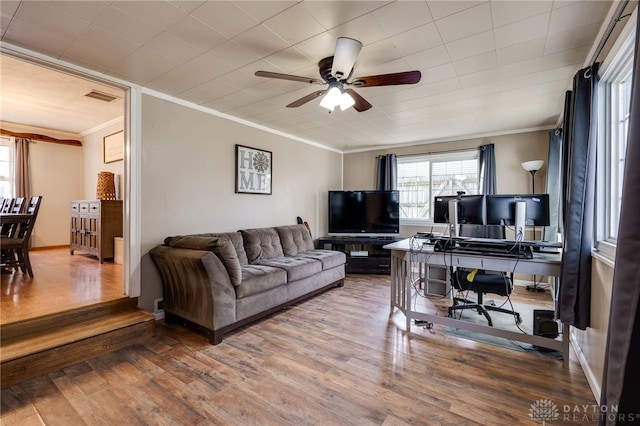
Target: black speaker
544	324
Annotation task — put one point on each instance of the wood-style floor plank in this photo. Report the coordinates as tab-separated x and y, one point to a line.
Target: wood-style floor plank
339	358
61	281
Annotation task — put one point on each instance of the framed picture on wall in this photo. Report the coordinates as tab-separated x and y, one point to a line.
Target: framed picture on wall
253	170
113	147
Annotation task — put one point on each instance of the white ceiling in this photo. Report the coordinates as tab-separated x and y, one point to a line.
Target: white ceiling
488	67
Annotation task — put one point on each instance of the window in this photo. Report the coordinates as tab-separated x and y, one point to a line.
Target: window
421	178
614	103
6	167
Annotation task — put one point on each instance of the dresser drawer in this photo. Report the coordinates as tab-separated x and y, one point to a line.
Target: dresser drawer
75	207
94	207
84	207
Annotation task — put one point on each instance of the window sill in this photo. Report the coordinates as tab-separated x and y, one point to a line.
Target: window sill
606	253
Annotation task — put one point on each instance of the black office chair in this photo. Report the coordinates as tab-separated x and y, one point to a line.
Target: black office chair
480	281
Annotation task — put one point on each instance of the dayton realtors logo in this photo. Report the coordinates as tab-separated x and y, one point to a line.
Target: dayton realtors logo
544	410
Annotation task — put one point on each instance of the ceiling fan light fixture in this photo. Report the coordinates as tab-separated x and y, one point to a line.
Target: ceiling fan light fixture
331	99
346	101
347	51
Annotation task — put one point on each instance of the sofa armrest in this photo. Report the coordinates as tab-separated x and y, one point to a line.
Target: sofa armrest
196	286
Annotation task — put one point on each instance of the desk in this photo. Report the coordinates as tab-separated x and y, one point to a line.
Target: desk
402	257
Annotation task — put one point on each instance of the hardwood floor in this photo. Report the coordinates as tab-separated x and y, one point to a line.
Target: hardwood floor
339	358
61	281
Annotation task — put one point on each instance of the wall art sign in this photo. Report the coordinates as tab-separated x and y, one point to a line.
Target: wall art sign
253	170
113	147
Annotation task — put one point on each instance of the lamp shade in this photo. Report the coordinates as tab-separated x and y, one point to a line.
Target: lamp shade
331	99
347	50
346	101
533	165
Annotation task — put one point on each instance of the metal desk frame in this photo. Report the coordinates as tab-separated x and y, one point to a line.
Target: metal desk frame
403	256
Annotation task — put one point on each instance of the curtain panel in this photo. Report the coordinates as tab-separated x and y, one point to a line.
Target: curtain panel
387	172
579	149
22	172
553	185
487	163
621	375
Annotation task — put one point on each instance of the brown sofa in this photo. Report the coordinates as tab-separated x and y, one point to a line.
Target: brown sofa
218	282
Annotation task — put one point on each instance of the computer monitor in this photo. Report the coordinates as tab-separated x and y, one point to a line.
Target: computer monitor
501	209
470	209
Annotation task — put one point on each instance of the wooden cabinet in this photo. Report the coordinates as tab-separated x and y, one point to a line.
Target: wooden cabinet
94	224
364	255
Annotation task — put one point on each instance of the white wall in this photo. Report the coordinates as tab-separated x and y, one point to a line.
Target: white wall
187	180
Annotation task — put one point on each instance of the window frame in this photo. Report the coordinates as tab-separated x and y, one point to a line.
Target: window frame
9	141
616	67
458	155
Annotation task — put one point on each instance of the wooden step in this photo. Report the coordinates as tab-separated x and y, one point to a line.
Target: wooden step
37	346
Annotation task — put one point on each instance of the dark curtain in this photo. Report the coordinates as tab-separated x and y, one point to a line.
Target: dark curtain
621	376
554	168
487	165
387	174
579	152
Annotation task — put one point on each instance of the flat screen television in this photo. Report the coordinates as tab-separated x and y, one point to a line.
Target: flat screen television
471	209
501	209
364	213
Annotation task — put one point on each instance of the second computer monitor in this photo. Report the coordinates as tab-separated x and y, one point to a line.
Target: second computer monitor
501	209
470	209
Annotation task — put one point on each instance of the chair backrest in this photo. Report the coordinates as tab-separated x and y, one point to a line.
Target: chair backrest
482	231
18	205
26	228
34	205
6	205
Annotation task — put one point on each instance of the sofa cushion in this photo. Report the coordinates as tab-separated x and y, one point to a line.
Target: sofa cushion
329	258
296	267
221	246
294	239
261	243
238	244
258	278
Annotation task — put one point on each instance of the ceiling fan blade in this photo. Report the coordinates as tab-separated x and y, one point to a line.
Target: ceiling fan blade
361	103
407	77
269	74
306	99
347	50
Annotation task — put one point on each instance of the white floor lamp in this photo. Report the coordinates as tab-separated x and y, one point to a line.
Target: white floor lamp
532	167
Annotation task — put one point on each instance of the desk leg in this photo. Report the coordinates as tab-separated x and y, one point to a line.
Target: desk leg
407	283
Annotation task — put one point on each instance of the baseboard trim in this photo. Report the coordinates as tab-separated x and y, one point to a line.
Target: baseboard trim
159	315
586	369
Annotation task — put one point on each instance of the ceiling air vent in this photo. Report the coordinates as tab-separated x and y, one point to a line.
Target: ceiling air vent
101	96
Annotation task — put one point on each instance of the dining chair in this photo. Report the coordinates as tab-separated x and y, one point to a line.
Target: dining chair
15	246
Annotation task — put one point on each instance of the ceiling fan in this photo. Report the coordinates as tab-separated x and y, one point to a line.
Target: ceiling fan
336	72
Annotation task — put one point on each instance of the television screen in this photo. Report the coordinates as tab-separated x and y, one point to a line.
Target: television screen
364	213
501	209
470	209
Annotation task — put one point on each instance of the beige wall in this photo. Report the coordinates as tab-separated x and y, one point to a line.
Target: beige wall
94	160
591	343
56	174
188	180
511	150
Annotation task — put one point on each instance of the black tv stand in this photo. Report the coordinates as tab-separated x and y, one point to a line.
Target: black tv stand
365	255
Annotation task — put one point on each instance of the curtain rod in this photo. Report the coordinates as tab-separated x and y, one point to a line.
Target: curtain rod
612	26
443	152
43	138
